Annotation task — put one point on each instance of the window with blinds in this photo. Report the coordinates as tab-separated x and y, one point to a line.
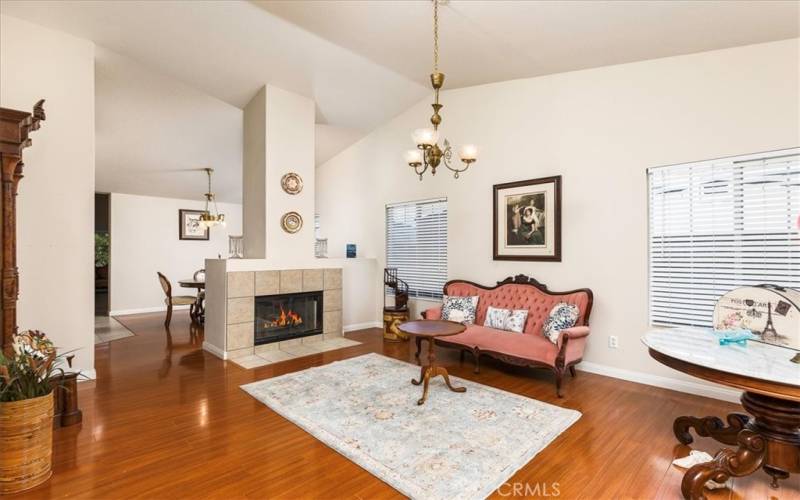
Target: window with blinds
717	225
416	244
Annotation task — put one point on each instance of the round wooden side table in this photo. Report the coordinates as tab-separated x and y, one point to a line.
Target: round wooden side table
392	318
429	330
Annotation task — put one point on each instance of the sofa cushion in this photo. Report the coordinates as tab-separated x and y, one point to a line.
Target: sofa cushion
460	309
532	347
561	317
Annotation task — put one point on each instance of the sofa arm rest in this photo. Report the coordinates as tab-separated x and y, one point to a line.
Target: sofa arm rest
432	313
576	332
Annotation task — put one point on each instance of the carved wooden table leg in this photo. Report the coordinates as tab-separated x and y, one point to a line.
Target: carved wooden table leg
742	462
432	370
710	427
418	342
770	440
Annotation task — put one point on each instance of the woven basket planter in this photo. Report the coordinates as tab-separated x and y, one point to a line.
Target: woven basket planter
26	441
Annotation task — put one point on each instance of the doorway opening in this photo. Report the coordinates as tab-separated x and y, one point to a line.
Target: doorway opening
102	253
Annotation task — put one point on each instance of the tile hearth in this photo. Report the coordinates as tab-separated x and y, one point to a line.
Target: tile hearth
287	352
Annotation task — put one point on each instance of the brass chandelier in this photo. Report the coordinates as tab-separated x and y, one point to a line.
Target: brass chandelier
210	218
428	152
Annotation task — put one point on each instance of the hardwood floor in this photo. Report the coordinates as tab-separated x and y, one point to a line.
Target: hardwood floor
166	420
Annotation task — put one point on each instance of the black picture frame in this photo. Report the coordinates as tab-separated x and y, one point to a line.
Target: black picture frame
545	252
184	218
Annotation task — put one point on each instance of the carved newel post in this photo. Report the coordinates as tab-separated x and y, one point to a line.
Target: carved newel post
14	129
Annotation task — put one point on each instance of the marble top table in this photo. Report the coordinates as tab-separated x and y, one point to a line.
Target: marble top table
701	347
768	436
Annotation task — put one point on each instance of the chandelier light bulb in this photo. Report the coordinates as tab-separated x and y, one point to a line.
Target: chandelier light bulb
414	157
424	137
469	152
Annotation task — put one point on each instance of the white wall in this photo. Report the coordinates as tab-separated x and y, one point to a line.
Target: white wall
144	240
56	199
600	129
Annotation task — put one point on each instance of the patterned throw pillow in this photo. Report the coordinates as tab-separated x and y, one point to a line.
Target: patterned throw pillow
496	318
516	321
460	309
506	319
562	316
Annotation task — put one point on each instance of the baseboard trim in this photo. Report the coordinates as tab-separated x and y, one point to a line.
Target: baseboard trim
216	351
87	375
124	312
697	389
362	326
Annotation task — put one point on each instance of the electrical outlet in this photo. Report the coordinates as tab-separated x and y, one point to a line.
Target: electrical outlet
613	341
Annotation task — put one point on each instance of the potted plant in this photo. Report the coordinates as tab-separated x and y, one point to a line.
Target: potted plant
26	412
101	246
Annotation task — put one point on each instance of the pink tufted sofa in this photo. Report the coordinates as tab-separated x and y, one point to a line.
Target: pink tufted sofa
531	348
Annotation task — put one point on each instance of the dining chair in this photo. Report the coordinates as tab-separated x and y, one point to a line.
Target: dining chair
176	300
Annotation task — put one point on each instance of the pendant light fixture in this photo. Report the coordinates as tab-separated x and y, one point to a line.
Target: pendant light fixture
211	218
428	152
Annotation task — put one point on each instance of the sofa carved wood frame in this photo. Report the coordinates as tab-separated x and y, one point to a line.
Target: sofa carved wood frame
560	366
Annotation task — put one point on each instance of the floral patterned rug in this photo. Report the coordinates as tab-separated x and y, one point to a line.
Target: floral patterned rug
456	445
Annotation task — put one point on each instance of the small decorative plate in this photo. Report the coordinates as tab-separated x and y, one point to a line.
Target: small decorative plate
291	222
292	183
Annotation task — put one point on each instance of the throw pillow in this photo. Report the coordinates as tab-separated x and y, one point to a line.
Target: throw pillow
516	320
562	316
496	318
460	309
506	319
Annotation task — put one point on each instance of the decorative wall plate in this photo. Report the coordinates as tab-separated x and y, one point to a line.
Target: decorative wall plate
291	222
292	183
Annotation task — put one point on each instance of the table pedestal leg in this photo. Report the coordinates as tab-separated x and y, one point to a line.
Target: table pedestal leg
769	440
432	370
742	462
710	427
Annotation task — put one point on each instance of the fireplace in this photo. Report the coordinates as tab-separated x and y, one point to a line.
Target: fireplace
287	316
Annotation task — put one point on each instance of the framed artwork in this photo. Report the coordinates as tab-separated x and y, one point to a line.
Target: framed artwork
189	227
527	220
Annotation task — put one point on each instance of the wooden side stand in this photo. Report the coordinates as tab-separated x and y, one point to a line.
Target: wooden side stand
14	129
432	370
430	330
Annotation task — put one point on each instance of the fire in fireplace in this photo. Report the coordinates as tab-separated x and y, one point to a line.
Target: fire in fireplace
287	316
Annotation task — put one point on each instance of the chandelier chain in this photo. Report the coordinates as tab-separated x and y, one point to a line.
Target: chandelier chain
435	36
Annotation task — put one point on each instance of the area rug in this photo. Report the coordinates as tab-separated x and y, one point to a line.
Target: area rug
456	445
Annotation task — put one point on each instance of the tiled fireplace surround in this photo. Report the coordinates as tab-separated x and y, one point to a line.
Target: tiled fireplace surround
243	286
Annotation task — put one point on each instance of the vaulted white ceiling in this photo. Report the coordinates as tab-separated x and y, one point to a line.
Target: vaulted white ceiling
497	40
364	62
154	134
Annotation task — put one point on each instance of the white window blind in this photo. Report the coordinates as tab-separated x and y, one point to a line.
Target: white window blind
416	244
717	225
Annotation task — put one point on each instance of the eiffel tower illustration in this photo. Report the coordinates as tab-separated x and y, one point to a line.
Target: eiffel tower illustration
769	329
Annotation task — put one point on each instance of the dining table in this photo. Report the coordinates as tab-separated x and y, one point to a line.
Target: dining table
200	286
766	435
